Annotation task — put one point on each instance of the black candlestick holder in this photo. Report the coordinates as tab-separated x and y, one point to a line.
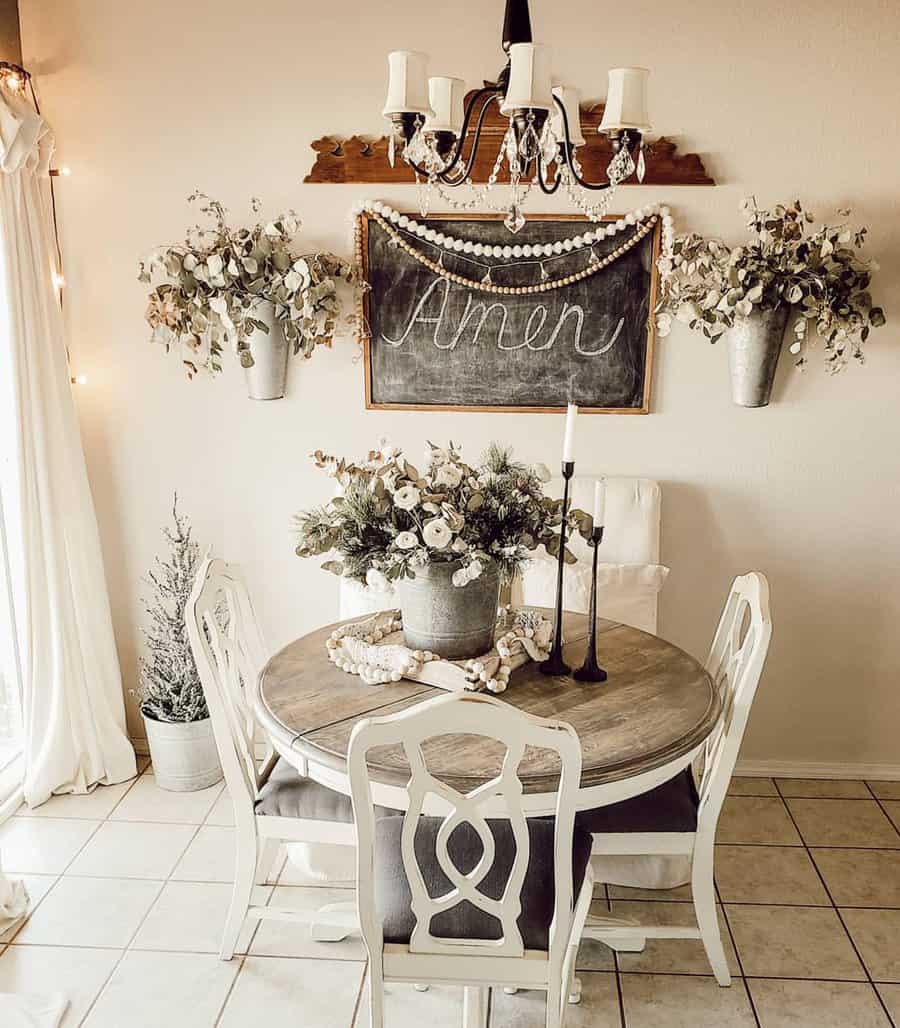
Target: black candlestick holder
590	670
554	664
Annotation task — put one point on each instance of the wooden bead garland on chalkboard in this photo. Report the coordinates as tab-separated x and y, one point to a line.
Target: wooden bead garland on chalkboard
490	287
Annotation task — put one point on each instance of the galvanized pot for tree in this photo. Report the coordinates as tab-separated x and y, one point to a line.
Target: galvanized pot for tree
184	754
754	345
267	377
452	621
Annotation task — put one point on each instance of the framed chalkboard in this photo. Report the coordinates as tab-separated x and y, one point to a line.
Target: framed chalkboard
435	343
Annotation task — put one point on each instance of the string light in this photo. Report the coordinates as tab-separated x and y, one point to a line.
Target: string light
59	281
81	380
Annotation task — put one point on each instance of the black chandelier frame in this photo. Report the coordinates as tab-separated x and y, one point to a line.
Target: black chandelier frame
516	29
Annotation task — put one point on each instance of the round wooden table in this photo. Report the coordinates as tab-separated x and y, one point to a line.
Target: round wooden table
637	729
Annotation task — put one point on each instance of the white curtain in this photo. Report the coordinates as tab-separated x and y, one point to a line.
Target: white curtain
73	712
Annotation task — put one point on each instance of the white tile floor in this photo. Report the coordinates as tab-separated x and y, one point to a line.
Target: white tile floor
130	885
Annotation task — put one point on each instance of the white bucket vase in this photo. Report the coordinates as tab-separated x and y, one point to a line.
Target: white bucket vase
267	377
184	754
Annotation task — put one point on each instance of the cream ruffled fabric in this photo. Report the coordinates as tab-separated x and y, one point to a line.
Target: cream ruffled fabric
13	903
29	1011
73	711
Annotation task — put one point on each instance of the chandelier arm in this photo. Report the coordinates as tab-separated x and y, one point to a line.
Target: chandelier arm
457	150
546	189
570	150
470	163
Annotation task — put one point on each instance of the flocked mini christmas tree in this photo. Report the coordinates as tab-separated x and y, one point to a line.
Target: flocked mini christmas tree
170	687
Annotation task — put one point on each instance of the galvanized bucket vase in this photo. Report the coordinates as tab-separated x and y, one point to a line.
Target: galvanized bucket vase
754	345
266	379
452	621
184	754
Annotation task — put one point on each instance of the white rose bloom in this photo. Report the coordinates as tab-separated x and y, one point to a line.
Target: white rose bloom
377	581
475	569
459	545
437	456
542	472
407	497
460	577
437	534
448	475
406	540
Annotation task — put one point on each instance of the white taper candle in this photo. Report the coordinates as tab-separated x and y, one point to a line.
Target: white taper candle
569	440
599	502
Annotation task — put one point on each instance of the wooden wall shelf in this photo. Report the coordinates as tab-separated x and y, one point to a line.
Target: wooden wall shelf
364	159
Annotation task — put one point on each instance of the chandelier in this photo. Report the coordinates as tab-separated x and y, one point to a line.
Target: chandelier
430	121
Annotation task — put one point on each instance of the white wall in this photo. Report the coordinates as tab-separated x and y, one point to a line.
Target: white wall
151	101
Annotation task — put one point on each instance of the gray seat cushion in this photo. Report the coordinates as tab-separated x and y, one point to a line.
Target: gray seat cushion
670	807
287	794
466	921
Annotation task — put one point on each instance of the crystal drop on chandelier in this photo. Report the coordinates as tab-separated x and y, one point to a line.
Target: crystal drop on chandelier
641	165
515	219
487	280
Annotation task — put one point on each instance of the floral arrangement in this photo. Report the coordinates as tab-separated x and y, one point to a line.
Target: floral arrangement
170	688
817	272
216	280
390	519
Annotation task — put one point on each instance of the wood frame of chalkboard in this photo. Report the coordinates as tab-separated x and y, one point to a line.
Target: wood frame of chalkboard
641	404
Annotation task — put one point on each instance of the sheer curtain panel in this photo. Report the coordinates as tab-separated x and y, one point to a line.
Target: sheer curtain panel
73	714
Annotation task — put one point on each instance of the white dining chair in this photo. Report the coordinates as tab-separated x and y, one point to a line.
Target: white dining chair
273	804
680	816
478	896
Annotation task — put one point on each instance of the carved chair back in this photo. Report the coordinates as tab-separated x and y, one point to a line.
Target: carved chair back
229	652
462	714
735	663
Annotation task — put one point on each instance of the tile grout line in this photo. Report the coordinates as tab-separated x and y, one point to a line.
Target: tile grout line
127	949
122	954
229	992
58	879
737	952
357	1006
837	911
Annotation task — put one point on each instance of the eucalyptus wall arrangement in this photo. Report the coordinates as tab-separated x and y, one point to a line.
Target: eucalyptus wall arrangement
210	290
391	520
789	264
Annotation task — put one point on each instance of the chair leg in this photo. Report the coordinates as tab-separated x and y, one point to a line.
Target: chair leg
475	1006
268	851
555	1005
703	888
242	893
376	996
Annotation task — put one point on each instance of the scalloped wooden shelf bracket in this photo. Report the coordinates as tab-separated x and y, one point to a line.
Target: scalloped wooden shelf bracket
364	159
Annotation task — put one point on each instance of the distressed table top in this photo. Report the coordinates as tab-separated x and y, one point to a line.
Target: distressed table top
657	705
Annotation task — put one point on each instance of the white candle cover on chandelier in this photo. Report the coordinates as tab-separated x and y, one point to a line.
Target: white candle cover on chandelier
599	502
446	96
407	86
626	101
529	79
569	439
571	100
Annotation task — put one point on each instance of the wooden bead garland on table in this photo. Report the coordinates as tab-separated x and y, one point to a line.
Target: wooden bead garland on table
360	649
